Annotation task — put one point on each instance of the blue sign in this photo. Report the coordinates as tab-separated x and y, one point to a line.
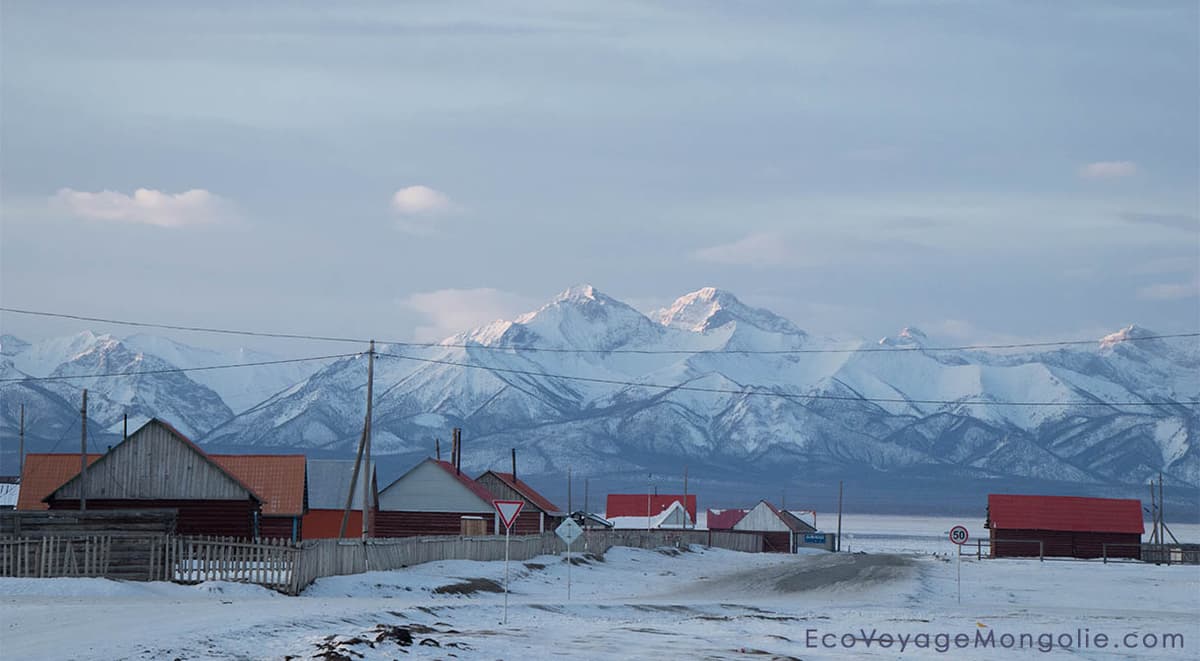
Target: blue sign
817	538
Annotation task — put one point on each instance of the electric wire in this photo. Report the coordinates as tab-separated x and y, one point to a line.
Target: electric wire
769	393
570	350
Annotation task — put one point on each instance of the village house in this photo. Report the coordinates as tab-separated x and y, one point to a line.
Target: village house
781	530
157	467
328	488
537	516
435	498
1064	526
647	506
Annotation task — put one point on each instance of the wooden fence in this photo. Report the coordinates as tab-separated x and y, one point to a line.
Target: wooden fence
292	566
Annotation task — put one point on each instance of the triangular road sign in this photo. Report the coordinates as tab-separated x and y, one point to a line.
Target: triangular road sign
508	510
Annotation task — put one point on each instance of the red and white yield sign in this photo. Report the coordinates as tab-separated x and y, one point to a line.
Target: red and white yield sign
508	510
959	535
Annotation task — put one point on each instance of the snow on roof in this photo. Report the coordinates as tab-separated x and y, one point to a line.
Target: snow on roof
9	494
641	504
672	517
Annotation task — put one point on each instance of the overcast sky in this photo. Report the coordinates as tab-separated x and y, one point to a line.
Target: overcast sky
980	169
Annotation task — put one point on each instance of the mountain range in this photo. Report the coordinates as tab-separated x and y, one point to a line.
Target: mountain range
741	396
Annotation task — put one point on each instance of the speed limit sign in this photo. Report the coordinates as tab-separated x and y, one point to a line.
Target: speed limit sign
959	535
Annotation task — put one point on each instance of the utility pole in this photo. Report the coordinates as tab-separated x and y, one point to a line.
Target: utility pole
83	455
1153	515
125	428
362	442
1162	521
839	529
366	494
685	521
21	449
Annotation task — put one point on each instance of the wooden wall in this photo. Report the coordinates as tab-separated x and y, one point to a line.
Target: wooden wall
222	518
415	524
1064	544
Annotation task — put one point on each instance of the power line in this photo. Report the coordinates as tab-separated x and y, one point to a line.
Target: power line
174	370
768	393
568	350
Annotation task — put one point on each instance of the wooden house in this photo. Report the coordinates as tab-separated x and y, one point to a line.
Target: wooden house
1064	526
328	487
781	530
157	467
434	498
537	516
674	517
644	505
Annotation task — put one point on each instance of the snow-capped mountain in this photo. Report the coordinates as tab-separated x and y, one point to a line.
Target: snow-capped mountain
147	386
732	397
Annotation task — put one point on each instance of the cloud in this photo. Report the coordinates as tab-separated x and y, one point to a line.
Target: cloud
452	311
1179	221
418	207
146	207
760	249
1108	170
1170	291
794	250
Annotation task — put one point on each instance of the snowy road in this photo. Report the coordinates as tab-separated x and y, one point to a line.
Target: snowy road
633	604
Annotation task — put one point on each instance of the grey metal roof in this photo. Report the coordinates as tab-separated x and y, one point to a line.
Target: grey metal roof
329	482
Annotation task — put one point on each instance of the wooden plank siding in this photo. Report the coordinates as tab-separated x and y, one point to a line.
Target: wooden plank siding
225	518
1018	543
416	524
280	527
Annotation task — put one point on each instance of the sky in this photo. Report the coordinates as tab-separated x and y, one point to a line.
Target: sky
982	170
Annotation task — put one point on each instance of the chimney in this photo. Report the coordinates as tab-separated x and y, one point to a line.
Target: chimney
514	462
437	448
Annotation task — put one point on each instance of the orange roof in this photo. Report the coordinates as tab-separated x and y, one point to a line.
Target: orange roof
43	473
276	478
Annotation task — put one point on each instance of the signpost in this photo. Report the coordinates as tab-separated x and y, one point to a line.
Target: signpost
508	511
568	531
959	535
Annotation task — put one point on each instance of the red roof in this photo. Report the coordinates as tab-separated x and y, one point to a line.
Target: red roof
277	478
475	487
529	493
635	504
43	473
1064	513
724	519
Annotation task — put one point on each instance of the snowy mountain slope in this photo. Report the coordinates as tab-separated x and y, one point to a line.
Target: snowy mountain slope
756	411
960	414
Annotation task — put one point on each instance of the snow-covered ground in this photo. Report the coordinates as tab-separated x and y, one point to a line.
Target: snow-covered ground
632	604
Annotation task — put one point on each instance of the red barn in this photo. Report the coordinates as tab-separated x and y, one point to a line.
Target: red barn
646	505
1065	526
537	516
434	498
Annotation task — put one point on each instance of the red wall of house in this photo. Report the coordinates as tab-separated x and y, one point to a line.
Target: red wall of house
221	518
326	524
413	524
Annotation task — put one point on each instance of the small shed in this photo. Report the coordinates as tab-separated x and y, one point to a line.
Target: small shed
328	486
781	530
1064	526
723	519
279	479
537	516
157	467
647	505
433	498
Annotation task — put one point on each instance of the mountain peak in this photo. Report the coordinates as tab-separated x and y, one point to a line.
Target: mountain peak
579	293
709	308
1132	331
909	336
